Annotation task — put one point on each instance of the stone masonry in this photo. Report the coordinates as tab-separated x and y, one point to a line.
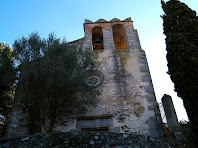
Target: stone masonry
127	90
173	124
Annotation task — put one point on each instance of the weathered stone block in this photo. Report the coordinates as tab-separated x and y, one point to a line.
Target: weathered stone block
152	108
151	99
129	31
144	69
154	133
146	78
114	129
135	43
130	41
137	47
142	61
148	89
152	120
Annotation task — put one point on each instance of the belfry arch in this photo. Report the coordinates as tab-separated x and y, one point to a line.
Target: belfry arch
119	36
97	38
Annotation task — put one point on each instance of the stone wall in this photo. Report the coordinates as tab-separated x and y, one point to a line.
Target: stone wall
87	139
127	94
17	124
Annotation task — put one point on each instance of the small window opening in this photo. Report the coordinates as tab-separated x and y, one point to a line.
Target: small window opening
97	38
119	36
94	123
103	128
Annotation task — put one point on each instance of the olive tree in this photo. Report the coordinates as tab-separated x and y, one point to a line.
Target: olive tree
52	80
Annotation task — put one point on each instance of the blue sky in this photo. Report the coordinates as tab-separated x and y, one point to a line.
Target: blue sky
66	17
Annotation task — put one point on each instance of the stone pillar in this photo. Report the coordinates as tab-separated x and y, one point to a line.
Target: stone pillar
133	39
88	40
130	36
170	113
108	39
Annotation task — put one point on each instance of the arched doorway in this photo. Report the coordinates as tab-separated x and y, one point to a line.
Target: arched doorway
119	36
97	38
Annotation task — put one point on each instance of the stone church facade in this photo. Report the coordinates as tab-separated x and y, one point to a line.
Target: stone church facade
127	102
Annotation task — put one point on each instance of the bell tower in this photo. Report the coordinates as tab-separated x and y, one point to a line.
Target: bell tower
127	102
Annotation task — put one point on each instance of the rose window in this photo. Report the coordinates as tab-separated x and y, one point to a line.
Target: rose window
93	81
94	77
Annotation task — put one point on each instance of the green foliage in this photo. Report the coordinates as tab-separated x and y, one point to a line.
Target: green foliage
7	79
51	83
181	30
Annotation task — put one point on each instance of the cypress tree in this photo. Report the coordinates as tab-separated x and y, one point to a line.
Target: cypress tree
181	29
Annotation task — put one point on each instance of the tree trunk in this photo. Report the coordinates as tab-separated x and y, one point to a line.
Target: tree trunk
35	120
